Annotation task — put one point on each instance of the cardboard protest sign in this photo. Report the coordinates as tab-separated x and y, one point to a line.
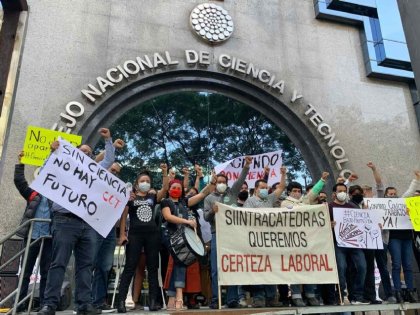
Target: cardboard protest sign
37	144
413	204
80	185
275	246
358	228
395	216
232	169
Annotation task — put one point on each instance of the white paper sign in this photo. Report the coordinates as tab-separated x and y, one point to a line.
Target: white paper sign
80	185
232	169
358	228
275	246
394	212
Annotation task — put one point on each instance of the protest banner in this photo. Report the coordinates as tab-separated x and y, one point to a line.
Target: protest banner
395	216
37	144
358	228
232	169
413	204
80	185
275	246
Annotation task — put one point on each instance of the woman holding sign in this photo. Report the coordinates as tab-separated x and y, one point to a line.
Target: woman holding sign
144	232
176	214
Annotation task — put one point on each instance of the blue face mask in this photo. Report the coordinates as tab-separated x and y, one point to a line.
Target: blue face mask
263	193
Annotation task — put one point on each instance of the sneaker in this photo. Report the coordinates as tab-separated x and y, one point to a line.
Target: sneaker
87	310
106	309
214	305
313	301
258	303
298	302
243	303
273	303
391	300
375	302
360	302
46	310
399	297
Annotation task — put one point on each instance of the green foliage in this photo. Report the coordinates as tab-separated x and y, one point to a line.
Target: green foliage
185	128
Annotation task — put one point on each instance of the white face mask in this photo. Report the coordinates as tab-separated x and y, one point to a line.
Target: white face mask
221	188
296	195
342	196
143	186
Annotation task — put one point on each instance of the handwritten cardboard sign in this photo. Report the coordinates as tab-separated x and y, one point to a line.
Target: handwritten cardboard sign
37	144
358	228
394	210
80	185
233	168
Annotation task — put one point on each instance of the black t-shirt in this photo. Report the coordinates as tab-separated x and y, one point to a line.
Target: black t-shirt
142	214
178	209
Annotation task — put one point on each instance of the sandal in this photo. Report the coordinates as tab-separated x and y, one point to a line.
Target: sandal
179	305
171	306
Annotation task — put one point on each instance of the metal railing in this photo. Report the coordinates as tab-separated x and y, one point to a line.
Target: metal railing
16	293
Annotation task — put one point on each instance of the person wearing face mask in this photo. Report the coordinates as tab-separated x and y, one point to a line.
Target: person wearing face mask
265	295
175	212
227	196
401	250
355	255
356	198
144	232
295	199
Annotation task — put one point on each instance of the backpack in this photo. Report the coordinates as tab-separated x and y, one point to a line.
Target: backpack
33	202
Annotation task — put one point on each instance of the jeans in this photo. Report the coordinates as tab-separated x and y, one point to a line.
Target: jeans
104	258
382	263
150	240
71	234
232	290
177	278
309	290
370	290
43	267
359	262
401	254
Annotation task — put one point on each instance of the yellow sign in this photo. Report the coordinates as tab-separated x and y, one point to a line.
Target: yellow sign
413	205
38	141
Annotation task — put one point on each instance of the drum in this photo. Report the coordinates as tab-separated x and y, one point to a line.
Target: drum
185	245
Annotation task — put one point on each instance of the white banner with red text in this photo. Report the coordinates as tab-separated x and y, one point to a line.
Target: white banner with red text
275	246
76	182
232	168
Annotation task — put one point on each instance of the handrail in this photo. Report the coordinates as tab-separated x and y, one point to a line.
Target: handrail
25	252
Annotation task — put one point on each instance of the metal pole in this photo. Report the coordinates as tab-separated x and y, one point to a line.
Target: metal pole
117	277
36	274
22	271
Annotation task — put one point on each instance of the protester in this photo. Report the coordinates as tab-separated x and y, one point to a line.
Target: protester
355	256
37	206
104	259
175	212
380	255
401	250
265	295
228	196
144	232
71	233
295	199
416	239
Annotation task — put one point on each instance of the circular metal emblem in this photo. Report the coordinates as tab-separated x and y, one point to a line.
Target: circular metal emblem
211	22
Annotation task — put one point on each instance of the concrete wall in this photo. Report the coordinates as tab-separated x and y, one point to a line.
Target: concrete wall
69	44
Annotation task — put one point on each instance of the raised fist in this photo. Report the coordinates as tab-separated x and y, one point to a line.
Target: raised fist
119	144
325	175
20	156
283	170
371	165
248	160
105	133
